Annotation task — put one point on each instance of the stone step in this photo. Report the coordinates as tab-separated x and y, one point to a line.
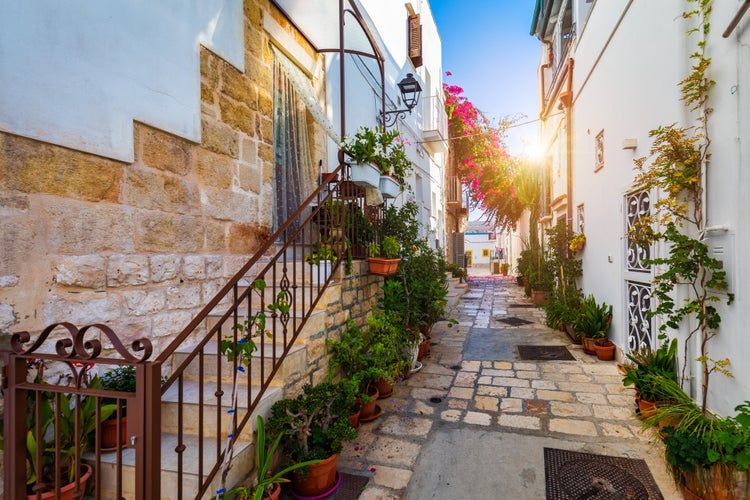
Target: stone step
300	292
191	410
292	367
243	461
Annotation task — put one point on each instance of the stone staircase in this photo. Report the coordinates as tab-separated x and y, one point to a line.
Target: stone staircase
181	409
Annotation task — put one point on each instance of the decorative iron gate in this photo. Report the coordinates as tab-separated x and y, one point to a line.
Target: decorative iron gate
637	275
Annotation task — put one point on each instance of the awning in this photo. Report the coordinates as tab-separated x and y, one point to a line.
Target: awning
318	21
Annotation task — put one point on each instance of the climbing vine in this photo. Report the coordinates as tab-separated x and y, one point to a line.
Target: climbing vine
675	169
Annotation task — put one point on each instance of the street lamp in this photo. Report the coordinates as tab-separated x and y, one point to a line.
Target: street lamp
410	92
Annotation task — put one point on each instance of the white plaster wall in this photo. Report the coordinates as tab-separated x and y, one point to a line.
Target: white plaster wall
626	84
388	22
78	73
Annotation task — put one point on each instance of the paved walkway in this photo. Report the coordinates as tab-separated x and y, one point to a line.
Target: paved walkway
473	423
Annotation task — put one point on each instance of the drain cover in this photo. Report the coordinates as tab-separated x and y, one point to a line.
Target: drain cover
589	479
436	400
544	353
570	474
513	321
521	305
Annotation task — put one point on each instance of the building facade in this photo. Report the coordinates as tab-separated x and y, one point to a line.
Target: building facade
608	75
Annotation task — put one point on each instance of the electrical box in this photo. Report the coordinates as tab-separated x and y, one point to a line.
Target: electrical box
720	244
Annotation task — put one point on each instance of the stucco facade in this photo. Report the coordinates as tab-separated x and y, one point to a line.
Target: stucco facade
614	79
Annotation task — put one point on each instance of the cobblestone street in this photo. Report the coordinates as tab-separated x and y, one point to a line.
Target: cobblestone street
477	415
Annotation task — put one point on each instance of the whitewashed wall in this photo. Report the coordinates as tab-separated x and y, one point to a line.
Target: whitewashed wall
625	83
122	61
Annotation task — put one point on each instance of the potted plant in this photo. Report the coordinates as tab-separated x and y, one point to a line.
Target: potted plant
121	379
314	426
321	263
267	485
366	357
384	257
504	268
643	363
59	430
593	322
577	241
382	149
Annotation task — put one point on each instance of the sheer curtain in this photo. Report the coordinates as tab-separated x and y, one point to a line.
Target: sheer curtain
294	169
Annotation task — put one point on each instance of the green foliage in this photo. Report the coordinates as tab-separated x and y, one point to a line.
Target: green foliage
315	424
674	168
563	307
58	424
389	248
423	288
595	318
456	270
323	253
565	266
402	223
383	148
379	352
645	363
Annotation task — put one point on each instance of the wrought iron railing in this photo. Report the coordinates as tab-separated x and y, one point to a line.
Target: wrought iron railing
196	383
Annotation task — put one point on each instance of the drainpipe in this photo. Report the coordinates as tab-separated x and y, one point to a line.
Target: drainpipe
342	79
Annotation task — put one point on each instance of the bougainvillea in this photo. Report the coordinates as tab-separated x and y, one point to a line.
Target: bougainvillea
480	158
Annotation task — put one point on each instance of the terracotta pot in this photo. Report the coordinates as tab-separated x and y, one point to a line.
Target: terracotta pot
384	388
572	334
354	417
67	491
109	433
540	297
368	409
605	352
424	348
383	267
646	408
319	478
588	345
275	492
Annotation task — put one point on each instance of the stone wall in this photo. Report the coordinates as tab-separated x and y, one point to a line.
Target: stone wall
142	246
351	296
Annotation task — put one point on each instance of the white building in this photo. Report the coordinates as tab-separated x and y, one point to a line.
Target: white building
609	74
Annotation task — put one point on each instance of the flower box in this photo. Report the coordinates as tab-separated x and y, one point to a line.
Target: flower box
365	174
383	267
389	187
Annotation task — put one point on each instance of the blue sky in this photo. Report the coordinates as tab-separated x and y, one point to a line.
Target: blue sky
488	49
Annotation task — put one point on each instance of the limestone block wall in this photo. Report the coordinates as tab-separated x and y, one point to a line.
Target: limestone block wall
353	296
142	246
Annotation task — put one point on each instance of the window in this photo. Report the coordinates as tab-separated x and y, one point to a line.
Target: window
599	151
485	252
415	40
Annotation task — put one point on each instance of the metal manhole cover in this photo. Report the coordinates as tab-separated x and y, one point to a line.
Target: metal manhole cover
513	321
570	474
590	479
544	353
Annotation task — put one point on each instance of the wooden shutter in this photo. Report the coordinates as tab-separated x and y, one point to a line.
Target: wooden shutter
415	40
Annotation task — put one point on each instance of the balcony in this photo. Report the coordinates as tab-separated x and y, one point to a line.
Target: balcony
453	192
435	125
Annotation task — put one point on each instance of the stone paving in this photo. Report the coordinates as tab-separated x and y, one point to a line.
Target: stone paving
581	400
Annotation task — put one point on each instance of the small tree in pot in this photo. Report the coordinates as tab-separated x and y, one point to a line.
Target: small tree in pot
315	425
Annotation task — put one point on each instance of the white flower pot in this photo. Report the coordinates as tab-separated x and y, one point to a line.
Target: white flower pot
389	187
365	174
319	273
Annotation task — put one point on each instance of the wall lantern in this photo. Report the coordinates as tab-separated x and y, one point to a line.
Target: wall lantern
410	92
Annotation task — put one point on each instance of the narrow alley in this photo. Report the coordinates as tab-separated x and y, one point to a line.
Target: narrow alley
475	421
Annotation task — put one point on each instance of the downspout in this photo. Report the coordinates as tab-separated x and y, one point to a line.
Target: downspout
569	145
342	79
